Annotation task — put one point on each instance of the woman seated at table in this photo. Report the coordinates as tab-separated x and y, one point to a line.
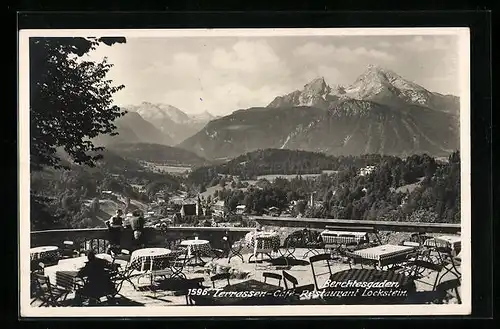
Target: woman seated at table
97	275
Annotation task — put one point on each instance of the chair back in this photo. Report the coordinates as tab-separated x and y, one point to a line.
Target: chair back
271	275
445	286
220	277
427	265
287	277
42	282
313	260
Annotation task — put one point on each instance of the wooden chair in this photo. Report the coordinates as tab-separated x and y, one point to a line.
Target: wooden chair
287	277
48	294
314	260
271	275
443	287
123	257
194	283
416	268
311	242
68	250
220	277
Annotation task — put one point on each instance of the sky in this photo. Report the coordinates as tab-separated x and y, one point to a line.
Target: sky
223	74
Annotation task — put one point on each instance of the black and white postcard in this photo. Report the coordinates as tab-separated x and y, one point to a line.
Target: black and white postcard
205	172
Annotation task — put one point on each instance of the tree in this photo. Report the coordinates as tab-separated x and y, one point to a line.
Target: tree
70	100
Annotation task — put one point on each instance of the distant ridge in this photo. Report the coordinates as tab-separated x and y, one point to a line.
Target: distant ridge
381	112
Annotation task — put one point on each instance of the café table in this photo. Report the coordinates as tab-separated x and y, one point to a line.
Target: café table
447	248
343	237
64	274
385	255
196	248
263	243
142	258
265	294
454	242
44	252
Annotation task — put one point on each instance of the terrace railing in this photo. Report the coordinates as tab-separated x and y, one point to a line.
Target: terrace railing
97	238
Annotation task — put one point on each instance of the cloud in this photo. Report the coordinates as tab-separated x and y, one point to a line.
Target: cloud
331	74
426	43
250	61
315	51
384	44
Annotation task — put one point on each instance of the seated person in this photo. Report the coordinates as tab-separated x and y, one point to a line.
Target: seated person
97	274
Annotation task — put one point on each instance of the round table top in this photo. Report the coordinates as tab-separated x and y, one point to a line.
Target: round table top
151	252
43	249
266	235
194	242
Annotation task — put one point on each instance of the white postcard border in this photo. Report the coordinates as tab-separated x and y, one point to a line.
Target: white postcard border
216	311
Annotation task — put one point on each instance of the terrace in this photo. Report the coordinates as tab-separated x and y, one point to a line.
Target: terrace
166	290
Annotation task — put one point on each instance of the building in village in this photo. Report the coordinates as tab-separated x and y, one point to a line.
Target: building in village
240	209
219	209
366	170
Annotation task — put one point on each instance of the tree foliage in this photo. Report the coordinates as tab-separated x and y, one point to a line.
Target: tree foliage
70	100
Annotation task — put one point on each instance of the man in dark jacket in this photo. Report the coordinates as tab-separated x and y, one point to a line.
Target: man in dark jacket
97	276
137	224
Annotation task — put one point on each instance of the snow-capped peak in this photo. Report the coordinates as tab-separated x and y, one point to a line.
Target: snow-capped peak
376	81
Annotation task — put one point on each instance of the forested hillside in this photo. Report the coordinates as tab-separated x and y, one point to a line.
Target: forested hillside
70	198
349	195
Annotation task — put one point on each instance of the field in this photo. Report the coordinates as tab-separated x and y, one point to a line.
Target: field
289	177
174	170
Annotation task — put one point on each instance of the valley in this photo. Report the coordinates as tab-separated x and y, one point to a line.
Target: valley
381	148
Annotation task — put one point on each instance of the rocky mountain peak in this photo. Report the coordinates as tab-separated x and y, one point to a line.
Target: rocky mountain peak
317	86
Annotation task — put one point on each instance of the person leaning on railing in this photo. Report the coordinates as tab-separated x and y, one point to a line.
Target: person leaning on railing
137	224
114	225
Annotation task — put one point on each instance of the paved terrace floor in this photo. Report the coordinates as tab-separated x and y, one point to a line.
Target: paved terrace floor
301	270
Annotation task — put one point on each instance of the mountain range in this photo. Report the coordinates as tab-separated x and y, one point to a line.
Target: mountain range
155	124
170	120
376	84
381	112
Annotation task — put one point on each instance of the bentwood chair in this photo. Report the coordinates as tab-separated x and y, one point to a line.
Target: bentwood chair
291	282
220	277
68	250
46	293
272	275
315	262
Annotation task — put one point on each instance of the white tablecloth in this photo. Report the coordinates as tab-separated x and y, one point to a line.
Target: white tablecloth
44	252
452	241
267	241
343	237
384	252
140	257
196	245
